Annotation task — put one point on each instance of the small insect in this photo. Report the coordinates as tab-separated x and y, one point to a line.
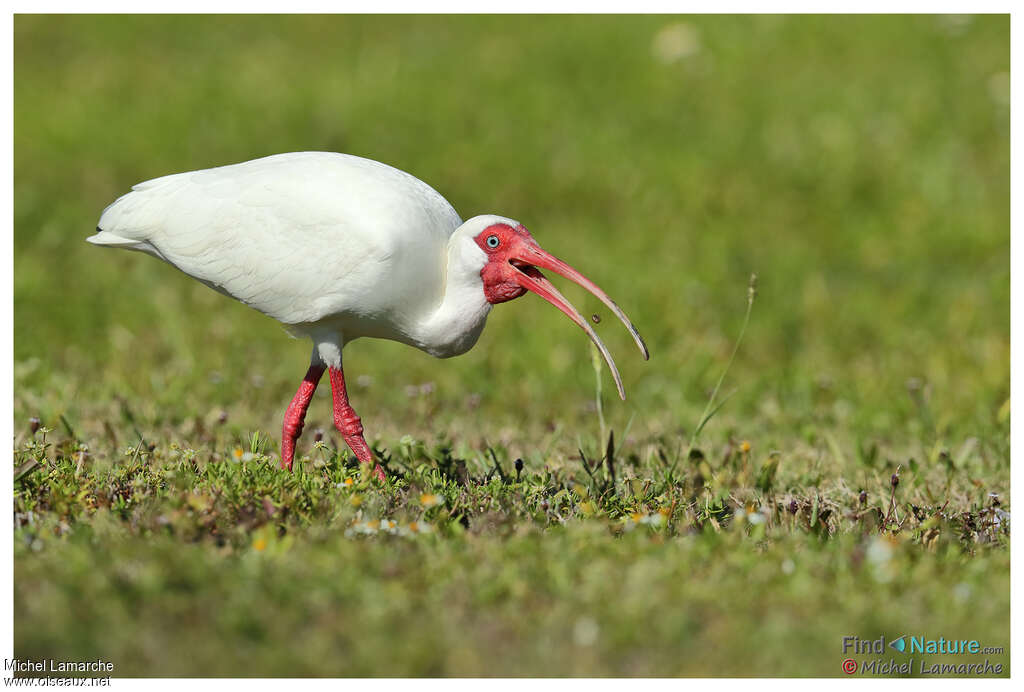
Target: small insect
596	318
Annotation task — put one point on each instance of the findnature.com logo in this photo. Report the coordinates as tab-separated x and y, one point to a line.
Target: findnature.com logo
923	646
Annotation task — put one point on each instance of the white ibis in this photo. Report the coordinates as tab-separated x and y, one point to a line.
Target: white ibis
338	247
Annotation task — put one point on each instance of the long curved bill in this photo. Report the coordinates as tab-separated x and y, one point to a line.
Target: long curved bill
532	256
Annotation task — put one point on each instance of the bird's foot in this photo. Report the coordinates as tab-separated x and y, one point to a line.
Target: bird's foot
377	473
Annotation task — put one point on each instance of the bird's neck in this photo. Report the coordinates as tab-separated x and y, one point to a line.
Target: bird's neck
455	324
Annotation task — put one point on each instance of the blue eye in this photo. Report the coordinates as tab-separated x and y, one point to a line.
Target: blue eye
492	241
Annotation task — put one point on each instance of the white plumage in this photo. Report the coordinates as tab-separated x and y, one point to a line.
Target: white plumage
338	247
319	241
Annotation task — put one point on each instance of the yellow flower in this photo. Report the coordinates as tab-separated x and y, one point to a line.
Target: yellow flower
744	446
260	544
349	481
237	453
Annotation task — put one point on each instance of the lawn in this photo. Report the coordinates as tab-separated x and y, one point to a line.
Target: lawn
854	481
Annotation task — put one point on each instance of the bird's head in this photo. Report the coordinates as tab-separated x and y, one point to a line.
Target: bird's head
513	260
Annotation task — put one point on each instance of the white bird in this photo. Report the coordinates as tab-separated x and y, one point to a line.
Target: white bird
338	247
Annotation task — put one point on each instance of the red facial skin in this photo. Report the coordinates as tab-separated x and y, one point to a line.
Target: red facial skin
513	258
500	282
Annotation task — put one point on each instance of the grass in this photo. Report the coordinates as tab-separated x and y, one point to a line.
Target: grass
858	165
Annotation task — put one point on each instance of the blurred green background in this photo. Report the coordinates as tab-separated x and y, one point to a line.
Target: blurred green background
859	165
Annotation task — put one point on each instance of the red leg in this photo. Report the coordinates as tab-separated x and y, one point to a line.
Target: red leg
295	416
348	423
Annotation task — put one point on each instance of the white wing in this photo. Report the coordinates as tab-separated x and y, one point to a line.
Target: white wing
301	237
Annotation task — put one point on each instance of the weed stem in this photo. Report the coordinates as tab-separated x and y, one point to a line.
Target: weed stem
709	411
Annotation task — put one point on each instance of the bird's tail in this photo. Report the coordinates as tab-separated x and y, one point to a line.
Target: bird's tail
111	239
108	239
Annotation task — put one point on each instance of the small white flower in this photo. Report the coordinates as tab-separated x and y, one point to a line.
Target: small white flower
420	527
429	500
656	519
675	42
363	528
586	631
879	552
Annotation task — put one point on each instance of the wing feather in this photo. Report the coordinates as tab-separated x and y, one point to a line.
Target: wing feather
300	237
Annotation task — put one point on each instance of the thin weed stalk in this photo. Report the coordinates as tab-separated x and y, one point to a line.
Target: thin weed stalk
710	409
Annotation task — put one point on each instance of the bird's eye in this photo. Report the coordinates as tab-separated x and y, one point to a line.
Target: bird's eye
492	241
